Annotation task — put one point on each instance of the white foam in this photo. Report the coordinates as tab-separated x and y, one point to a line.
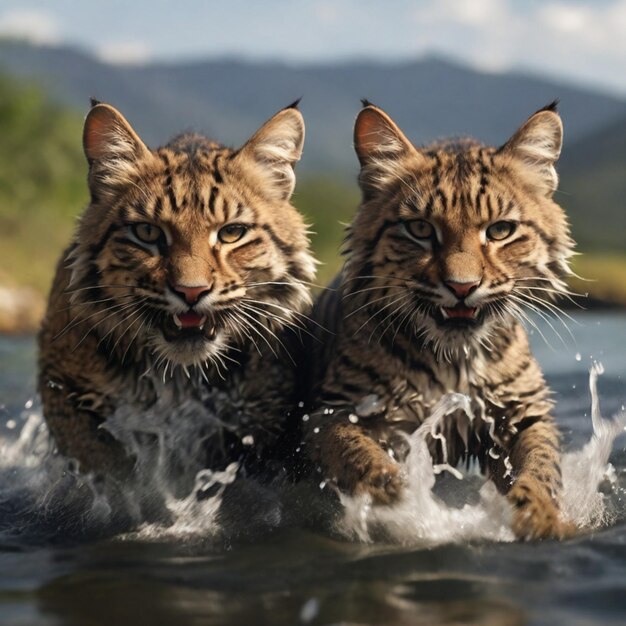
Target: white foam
193	518
584	470
423	518
38	488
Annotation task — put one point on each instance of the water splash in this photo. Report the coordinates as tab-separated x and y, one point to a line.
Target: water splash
586	469
194	516
43	499
422	517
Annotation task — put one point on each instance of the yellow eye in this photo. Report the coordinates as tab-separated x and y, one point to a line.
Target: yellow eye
420	229
231	233
148	233
500	230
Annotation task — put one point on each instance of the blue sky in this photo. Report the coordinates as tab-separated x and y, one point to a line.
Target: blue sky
583	41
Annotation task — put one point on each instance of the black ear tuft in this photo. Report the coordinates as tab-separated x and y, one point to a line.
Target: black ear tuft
93	102
294	104
551	107
365	102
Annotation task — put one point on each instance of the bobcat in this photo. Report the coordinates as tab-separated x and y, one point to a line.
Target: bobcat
451	243
187	279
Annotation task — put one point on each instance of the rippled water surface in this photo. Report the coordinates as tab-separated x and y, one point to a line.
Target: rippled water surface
271	561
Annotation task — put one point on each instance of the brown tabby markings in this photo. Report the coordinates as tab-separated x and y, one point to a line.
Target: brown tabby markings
450	244
150	251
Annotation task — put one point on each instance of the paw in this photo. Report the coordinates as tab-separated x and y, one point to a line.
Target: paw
368	469
382	480
536	515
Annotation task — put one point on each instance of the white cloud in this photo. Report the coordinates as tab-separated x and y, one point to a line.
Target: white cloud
565	18
125	53
38	27
579	40
583	42
326	11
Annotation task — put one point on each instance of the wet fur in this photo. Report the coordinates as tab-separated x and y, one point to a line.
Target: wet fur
387	341
101	349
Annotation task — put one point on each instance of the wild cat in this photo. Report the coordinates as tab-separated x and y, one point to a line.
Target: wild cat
451	246
186	273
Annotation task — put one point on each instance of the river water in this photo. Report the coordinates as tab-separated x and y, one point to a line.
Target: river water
287	559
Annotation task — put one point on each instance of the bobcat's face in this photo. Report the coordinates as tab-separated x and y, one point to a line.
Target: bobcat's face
193	249
454	240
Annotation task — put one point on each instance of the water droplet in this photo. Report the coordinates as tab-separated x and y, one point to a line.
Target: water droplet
370	405
11	424
248	440
578	356
300	404
29	404
353	418
305	418
508	465
323	484
316	430
309	610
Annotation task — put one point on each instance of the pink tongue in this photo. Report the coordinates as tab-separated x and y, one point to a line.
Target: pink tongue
190	320
461	312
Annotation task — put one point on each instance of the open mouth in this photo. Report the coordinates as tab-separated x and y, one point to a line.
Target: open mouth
189	326
459	315
460	311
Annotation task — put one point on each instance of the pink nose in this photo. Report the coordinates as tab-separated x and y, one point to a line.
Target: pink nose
461	290
191	295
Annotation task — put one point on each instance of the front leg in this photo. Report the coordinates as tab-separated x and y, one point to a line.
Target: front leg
536	489
354	460
77	435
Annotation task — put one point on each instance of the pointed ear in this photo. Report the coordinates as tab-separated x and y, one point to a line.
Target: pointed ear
274	150
377	137
537	146
107	135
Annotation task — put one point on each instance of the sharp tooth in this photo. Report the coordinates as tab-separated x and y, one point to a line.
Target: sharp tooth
177	321
444	313
202	322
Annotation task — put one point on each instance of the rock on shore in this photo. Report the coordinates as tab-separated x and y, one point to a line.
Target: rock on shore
21	310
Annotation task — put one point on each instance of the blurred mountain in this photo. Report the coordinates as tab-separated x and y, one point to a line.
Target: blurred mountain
593	188
228	99
42	168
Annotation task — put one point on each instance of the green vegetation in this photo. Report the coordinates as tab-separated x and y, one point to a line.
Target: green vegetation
593	189
601	275
43	189
42	183
328	206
